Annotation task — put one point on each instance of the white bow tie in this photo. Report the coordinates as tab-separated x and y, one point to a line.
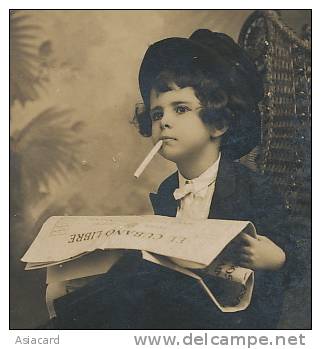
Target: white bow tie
198	190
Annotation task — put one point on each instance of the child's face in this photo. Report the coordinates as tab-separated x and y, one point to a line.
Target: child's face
175	119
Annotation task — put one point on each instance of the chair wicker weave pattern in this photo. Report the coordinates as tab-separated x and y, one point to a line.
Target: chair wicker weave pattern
284	61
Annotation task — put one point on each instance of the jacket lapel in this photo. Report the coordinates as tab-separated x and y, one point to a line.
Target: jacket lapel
224	188
164	202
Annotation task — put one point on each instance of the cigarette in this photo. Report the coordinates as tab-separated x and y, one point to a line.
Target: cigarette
148	158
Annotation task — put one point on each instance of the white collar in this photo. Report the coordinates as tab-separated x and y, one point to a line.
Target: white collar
204	180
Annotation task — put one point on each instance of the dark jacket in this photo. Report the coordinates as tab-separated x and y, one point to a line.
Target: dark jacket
241	194
137	294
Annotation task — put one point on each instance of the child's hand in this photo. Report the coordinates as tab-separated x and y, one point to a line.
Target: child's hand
260	253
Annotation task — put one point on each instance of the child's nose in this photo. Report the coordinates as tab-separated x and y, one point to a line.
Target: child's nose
166	120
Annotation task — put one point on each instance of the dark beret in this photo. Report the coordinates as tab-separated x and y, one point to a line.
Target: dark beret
213	52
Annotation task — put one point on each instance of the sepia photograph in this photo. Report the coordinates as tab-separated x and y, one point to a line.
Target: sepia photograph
160	169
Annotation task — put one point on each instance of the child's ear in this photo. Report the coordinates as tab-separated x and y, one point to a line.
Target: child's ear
218	132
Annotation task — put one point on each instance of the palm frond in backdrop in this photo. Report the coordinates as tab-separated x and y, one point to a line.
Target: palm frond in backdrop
24	59
48	149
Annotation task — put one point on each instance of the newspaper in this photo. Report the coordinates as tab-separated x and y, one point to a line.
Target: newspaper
62	238
79	247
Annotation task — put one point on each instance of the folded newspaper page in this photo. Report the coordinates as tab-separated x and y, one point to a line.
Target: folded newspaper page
63	238
235	294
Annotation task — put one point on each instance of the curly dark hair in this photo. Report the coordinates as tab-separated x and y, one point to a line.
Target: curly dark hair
222	98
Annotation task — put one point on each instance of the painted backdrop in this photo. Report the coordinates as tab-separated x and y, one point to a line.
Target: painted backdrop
73	148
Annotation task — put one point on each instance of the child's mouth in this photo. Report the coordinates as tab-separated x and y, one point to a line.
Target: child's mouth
168	139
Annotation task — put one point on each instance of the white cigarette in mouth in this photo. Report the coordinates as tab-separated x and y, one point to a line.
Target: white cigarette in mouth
148	158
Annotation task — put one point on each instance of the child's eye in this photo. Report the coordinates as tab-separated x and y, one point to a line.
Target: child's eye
156	115
181	109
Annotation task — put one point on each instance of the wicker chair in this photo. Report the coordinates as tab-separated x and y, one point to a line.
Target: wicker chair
284	61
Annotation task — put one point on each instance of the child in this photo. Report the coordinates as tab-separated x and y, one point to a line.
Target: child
200	97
